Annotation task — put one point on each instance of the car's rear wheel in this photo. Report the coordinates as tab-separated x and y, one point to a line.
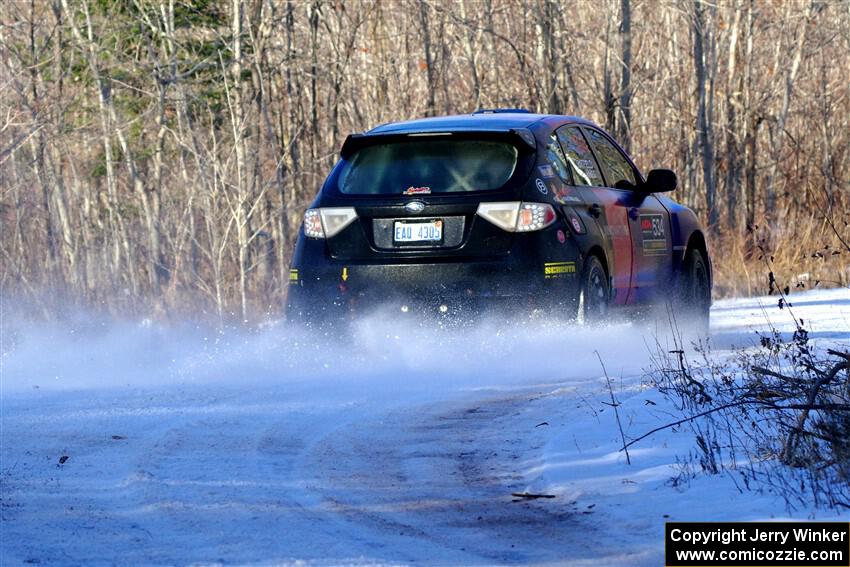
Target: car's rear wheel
594	292
695	290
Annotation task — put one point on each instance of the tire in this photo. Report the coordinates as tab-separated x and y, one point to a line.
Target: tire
594	292
694	295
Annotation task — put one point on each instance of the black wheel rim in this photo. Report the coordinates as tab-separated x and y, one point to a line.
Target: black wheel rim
699	284
596	302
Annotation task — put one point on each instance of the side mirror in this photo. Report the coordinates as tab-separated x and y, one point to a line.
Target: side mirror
660	181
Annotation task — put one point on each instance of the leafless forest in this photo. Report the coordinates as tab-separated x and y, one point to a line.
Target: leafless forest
157	155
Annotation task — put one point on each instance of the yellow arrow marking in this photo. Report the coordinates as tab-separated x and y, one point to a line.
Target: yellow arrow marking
345	274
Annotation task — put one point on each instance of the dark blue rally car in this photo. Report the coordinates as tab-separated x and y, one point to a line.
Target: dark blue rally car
502	210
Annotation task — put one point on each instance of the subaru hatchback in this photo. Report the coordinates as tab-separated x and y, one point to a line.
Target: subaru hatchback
502	210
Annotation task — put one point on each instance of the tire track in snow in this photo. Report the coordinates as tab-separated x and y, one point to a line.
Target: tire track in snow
436	482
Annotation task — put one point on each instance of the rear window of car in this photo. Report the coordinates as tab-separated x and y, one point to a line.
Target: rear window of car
429	166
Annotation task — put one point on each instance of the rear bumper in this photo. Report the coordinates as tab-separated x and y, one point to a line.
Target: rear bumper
537	271
437	288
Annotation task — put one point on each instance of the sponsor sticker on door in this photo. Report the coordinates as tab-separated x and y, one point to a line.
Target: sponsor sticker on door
653	235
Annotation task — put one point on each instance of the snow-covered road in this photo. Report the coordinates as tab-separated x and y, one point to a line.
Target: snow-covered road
188	446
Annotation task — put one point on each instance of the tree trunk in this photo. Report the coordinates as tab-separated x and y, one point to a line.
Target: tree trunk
610	100
704	127
782	117
470	40
429	60
237	117
734	85
625	124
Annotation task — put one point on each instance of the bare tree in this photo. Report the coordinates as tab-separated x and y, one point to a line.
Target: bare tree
705	128
624	127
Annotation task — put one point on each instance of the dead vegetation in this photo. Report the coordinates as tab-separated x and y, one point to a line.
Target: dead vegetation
774	418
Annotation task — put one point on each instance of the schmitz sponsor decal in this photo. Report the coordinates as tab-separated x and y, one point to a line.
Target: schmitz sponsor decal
558	269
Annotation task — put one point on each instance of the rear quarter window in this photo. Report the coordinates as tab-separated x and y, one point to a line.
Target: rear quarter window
555	156
440	166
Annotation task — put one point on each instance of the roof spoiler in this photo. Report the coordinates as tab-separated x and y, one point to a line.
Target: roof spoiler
502	111
355	142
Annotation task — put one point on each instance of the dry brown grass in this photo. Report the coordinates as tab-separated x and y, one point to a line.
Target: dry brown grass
804	251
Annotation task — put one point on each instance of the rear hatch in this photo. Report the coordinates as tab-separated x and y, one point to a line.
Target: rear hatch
416	195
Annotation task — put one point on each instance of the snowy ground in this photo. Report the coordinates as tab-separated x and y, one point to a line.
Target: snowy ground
401	446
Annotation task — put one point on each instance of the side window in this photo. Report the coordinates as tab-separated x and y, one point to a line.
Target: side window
581	160
555	155
617	169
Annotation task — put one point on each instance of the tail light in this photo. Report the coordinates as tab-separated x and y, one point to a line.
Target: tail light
534	216
514	216
327	222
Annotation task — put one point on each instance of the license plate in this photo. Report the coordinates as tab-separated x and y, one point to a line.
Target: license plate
430	231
